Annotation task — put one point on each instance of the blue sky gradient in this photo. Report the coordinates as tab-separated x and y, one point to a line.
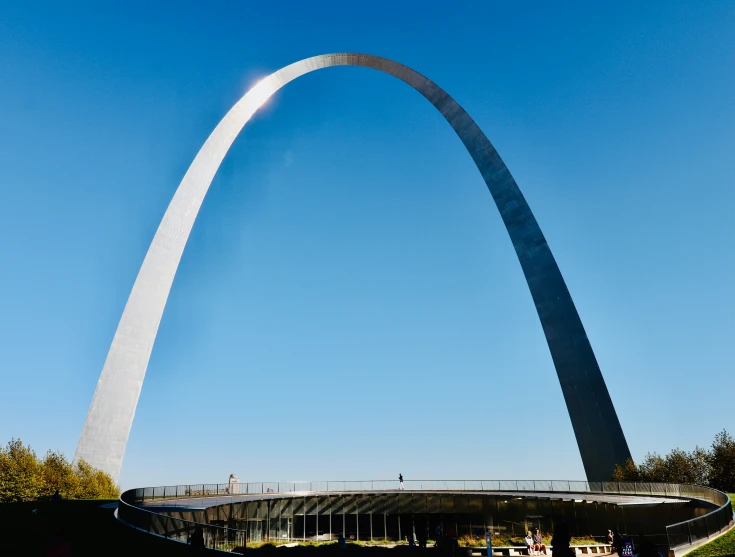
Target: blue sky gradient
349	304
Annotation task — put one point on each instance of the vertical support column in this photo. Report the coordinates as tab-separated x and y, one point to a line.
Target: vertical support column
247	524
456	525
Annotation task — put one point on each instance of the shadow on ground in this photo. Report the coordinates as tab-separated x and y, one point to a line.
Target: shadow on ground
91	530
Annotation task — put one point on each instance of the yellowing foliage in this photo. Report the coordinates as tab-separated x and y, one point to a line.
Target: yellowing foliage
25	477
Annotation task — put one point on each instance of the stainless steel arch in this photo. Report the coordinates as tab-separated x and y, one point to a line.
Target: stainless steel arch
596	426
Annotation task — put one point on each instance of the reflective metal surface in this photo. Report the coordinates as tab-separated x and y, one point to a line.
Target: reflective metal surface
596	426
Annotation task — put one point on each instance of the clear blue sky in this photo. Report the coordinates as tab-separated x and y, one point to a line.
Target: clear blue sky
349	305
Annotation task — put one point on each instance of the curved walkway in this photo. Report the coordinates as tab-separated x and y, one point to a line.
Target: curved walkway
151	509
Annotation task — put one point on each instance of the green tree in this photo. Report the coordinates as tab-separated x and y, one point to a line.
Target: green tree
19	473
57	475
23	477
94	483
722	462
686	467
713	468
653	468
701	466
627	472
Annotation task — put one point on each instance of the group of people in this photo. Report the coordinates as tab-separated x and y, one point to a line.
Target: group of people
535	543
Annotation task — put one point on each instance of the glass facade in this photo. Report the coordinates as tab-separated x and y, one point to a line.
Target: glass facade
398	516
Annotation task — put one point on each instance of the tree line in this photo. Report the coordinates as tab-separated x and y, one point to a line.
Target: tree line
26	477
713	467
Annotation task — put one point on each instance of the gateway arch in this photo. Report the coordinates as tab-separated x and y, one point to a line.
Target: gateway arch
599	436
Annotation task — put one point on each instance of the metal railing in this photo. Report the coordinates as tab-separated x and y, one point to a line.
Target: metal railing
702	527
193	491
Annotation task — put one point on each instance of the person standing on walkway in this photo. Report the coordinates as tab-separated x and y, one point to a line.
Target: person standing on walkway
400	481
196	545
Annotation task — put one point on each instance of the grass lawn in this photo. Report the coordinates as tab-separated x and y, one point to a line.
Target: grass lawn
722	546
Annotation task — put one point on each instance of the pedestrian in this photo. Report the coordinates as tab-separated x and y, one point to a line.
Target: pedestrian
59	546
400	481
421	534
196	545
529	543
561	540
538	542
617	543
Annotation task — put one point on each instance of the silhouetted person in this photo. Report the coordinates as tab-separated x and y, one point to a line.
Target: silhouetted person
421	535
56	497
197	541
617	543
647	548
400	481
560	541
58	546
447	544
